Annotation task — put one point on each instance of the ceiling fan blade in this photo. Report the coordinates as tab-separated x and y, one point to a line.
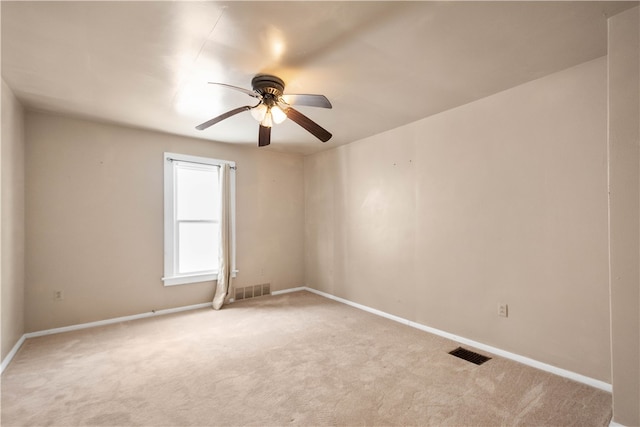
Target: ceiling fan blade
304	121
264	136
241	89
221	117
308	100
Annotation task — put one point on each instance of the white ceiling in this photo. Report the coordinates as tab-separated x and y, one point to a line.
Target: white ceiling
381	64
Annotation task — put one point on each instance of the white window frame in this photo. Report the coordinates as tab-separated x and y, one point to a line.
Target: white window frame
171	275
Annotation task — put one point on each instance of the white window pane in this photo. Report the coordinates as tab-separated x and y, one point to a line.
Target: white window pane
197	193
197	247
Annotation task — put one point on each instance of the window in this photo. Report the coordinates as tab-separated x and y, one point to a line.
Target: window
192	218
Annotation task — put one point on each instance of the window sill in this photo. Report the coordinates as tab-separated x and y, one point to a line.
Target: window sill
195	278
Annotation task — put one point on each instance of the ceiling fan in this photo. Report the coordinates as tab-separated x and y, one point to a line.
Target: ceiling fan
274	107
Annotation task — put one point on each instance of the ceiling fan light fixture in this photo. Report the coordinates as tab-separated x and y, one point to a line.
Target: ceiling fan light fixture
267	121
277	114
259	112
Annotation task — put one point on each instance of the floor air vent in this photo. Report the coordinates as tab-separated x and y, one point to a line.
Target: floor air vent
469	356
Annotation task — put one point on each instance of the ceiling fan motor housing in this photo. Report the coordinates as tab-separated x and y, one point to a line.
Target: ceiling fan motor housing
267	84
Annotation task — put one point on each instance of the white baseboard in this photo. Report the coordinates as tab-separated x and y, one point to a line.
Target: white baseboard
615	424
12	354
286	291
116	320
506	354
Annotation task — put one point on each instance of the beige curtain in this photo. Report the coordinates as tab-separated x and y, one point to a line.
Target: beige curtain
224	268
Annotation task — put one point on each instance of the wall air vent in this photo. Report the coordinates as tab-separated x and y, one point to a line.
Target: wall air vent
469	356
252	291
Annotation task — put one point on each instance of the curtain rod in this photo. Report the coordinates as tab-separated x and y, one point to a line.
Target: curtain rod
198	163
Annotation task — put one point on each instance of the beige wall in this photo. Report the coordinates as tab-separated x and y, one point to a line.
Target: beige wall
95	221
624	178
13	228
503	200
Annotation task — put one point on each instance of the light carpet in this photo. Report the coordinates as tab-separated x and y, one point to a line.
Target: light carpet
292	359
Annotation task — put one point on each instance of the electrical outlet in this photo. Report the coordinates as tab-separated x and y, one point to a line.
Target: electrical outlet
503	310
58	295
